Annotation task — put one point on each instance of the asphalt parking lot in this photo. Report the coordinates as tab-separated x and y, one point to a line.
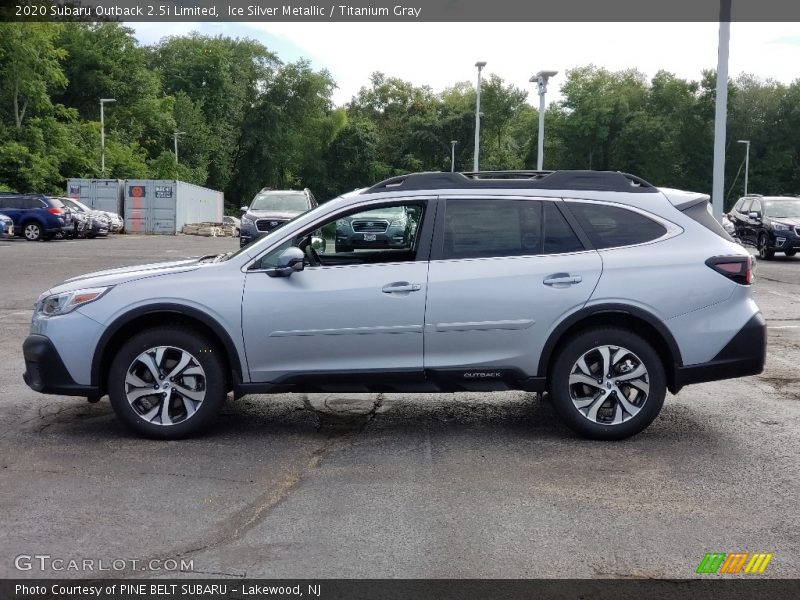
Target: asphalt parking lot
419	486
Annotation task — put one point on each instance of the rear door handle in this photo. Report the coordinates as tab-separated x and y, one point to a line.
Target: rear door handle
400	286
562	279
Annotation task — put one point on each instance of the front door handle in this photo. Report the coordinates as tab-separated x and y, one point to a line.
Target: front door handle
400	286
562	279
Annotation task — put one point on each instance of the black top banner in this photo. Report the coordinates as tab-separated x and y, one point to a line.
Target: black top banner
401	11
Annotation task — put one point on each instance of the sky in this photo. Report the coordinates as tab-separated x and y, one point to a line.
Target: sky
441	54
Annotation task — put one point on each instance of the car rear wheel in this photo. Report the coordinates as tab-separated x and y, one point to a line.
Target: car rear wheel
32	232
167	383
764	251
608	384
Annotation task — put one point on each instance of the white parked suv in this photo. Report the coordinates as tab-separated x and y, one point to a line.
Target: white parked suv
594	286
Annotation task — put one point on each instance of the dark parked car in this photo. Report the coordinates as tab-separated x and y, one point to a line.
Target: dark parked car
391	227
771	223
36	216
272	208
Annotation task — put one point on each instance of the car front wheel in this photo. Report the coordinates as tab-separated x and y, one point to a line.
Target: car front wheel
167	383
764	251
608	384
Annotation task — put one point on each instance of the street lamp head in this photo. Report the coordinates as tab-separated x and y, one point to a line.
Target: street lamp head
103	100
480	64
546	74
454	142
743	141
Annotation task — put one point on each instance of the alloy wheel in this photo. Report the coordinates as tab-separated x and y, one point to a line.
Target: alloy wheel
609	385
165	385
32	232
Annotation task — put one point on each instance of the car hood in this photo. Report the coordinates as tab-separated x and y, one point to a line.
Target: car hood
125	274
793	221
272	214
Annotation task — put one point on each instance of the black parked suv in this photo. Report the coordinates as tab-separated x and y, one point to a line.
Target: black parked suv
36	216
272	208
771	223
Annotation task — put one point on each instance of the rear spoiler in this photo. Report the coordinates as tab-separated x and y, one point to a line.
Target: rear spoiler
682	200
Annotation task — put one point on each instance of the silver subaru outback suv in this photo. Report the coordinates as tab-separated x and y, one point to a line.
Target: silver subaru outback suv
593	286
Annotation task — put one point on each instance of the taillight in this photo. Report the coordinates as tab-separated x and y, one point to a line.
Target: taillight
736	268
55	211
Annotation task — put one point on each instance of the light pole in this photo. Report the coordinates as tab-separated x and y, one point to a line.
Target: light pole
541	79
721	110
103	102
175	137
746	162
480	64
453	155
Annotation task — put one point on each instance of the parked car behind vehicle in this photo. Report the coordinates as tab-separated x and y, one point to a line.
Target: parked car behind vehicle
595	286
390	227
36	216
98	221
6	227
771	223
234	223
271	209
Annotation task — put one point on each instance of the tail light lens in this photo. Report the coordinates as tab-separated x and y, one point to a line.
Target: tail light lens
736	268
55	211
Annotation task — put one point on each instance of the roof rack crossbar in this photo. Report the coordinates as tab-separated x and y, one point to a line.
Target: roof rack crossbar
607	181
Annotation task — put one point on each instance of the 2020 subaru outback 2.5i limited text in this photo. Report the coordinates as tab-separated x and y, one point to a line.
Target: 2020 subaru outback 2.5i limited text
595	286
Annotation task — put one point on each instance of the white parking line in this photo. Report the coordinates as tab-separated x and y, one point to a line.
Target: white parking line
20	312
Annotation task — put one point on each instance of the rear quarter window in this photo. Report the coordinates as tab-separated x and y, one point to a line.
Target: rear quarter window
612	227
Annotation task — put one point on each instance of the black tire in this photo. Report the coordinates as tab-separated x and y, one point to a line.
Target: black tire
791	253
203	352
32	231
764	251
585	342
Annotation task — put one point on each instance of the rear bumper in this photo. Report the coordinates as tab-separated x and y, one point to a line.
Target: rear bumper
45	371
744	355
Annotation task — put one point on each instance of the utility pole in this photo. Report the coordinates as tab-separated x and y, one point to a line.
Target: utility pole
103	102
175	137
721	110
746	163
480	64
541	79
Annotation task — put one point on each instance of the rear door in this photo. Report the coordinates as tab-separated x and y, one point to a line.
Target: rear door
504	271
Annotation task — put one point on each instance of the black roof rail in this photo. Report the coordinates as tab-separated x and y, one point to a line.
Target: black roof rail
601	181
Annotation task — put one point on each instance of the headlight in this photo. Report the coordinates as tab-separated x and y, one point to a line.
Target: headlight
780	227
61	304
247	221
342	224
398	223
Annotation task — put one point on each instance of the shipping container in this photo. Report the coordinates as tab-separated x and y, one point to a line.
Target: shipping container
100	194
164	206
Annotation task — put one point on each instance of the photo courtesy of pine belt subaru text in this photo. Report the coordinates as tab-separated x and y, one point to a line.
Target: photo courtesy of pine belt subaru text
596	287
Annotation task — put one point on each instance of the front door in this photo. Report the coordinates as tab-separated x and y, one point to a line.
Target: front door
357	307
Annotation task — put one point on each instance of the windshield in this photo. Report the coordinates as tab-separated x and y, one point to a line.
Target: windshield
280	202
75	204
389	211
781	209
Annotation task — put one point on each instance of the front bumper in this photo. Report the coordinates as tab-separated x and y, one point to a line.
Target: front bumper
785	240
45	371
745	354
389	239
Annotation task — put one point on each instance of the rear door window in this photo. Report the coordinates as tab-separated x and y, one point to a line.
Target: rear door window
478	228
612	227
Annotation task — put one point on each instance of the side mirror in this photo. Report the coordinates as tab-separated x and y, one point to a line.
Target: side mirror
755	216
243	209
290	261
